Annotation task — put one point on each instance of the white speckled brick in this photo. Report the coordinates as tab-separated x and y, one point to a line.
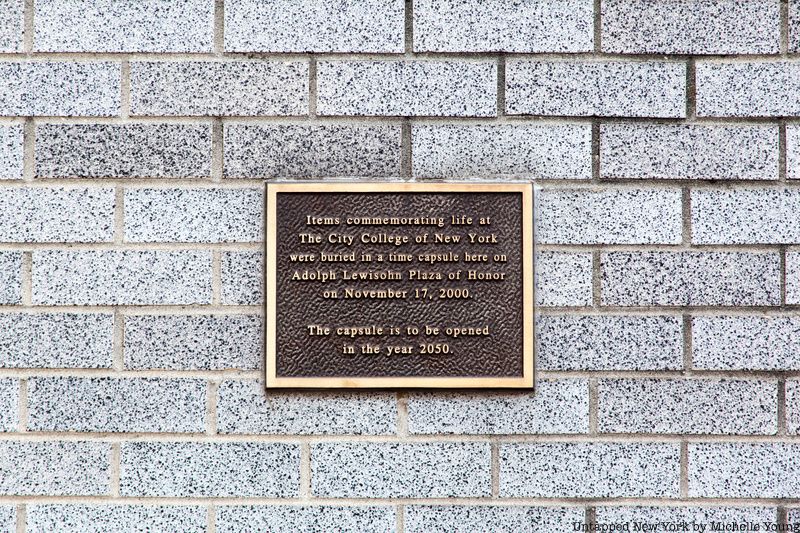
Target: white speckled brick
132	277
532	26
484	518
77	518
9	405
123	150
407	88
793	152
590	470
705	516
242	278
745	216
293	518
691	27
697	406
57	214
54	468
400	470
194	215
792	278
12	28
793	406
746	342
570	342
210	469
60	88
56	340
793	515
596	88
8	518
794	35
309	26
244	408
552	151
609	216
747	89
563	279
683	151
219	88
744	470
558	406
690	278
11	152
299	150
125	405
195	342
10	277
109	26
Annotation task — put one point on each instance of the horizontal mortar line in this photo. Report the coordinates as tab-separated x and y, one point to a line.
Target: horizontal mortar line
135	246
385	502
604	247
129	373
134	183
137	310
416	438
697	374
789	311
645	184
151	120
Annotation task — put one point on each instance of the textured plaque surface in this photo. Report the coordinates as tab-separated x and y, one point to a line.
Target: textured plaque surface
399	285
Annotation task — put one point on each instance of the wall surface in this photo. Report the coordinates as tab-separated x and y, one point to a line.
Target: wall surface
135	139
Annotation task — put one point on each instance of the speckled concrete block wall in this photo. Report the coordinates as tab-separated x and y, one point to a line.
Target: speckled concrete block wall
135	138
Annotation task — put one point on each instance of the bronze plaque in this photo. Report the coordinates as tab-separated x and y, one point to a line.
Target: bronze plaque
389	285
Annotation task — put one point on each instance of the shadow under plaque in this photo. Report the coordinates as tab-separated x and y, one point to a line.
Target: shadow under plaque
399	285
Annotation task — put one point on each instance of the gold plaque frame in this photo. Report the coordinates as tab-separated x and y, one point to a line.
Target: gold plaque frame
273	381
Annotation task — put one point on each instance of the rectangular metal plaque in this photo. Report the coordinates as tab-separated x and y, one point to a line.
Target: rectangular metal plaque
390	285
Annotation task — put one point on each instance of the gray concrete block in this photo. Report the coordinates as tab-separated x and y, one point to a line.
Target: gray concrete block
9	407
609	216
702	516
793	406
131	277
697	406
194	342
558	406
690	278
11	152
407	88
8	518
792	277
308	26
108	26
400	470
299	150
123	150
683	151
590	470
596	88
570	342
60	88
563	279
56	340
530	26
746	342
10	277
691	27
194	215
554	151
125	405
210	469
744	470
80	518
12	27
293	518
745	216
57	214
747	88
54	468
244	408
792	152
242	278
483	518
219	88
